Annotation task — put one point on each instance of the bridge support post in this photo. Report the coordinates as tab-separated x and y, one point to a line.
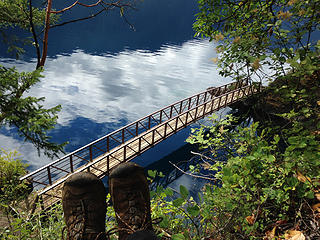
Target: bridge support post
152	141
90	152
205	96
187	114
49	175
140	144
71	164
176	125
137	129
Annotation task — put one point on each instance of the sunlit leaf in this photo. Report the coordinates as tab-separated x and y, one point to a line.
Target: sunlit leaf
317	195
184	192
316	207
294	235
178	236
178	202
193	210
152	173
250	219
169	192
302	178
270	235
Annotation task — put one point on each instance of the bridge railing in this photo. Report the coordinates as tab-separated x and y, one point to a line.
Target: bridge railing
49	174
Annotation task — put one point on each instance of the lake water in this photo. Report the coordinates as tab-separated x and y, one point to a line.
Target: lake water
106	75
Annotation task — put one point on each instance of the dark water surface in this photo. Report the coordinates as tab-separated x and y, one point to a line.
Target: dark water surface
106	75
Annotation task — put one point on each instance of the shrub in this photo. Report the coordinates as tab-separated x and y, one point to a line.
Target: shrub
11	169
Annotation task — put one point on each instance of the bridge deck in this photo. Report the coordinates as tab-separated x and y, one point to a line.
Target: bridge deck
187	111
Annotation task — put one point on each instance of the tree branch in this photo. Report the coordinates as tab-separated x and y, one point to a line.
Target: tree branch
46	31
78	19
35	38
192	175
202	156
104	8
76	3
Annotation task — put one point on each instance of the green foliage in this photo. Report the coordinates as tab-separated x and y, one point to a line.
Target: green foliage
180	216
32	120
47	224
27	113
11	169
270	171
256	35
14	209
16	15
269	175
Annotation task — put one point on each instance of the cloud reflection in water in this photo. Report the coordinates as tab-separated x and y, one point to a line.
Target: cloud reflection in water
121	88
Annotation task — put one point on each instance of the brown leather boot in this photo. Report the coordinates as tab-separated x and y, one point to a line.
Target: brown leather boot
130	196
84	207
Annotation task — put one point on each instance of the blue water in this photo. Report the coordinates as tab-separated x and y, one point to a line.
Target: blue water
106	75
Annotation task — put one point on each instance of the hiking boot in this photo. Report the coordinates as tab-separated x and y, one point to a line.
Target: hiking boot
130	196
143	235
84	207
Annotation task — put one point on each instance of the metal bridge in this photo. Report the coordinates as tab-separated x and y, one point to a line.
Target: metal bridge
126	143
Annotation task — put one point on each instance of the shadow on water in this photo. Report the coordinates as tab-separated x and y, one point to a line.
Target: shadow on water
180	158
176	170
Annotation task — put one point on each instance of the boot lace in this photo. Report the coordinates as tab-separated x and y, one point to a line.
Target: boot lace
77	228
